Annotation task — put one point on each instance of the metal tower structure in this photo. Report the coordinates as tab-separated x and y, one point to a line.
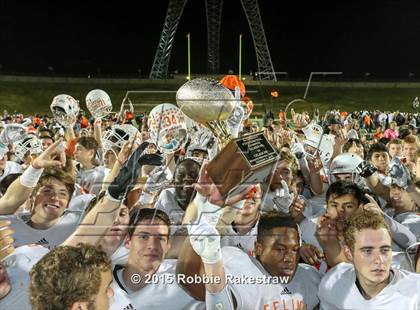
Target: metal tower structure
163	52
214	16
265	65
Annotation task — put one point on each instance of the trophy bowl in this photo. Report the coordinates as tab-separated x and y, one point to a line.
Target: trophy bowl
205	100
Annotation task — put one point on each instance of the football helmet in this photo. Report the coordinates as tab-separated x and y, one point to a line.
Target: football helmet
316	140
346	163
115	137
13	133
167	128
98	103
30	145
65	109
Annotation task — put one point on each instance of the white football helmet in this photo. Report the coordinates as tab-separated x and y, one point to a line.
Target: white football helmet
65	109
167	128
317	140
12	133
98	103
30	145
115	137
346	163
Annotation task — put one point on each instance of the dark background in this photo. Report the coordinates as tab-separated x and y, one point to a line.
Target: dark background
117	38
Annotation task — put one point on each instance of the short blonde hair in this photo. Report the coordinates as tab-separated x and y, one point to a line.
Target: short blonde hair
363	219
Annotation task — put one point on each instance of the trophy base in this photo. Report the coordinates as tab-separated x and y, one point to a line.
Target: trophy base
243	161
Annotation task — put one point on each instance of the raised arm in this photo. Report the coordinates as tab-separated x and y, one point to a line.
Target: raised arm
20	190
201	252
97	131
97	222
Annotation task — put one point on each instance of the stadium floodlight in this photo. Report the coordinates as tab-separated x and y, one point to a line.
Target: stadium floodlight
318	73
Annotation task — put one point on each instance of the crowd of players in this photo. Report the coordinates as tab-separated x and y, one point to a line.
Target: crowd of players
95	216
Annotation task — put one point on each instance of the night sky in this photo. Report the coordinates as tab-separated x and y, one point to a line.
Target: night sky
116	38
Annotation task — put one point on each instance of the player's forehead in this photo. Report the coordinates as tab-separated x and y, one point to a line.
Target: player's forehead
151	226
53	183
342	199
381	153
286	236
343	176
372	238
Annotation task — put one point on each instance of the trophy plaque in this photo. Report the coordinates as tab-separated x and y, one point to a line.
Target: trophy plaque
245	160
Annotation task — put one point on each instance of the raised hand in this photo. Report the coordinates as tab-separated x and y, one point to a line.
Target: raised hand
206	187
131	169
311	254
205	240
299	119
365	169
314	164
283	198
372	205
341	138
326	229
48	157
297	207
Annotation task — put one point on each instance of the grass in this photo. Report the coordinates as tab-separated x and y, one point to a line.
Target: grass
35	97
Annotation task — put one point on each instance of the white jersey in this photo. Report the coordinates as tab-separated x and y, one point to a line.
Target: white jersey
162	293
400	260
338	290
244	242
168	203
242	270
308	231
120	256
18	264
10	168
318	204
411	220
80	202
91	180
49	238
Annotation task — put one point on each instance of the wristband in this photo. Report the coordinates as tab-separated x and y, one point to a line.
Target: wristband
110	198
30	176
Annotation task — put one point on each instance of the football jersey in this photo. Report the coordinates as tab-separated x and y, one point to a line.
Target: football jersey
400	260
168	203
161	293
120	256
80	202
318	204
91	180
245	242
243	272
338	290
411	220
18	264
49	238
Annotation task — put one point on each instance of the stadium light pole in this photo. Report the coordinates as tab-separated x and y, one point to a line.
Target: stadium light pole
240	57
318	73
189	57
